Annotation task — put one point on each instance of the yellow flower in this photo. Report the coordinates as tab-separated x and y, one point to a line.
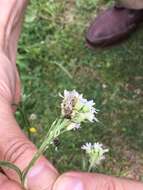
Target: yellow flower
33	130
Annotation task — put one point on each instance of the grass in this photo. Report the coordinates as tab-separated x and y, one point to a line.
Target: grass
53	56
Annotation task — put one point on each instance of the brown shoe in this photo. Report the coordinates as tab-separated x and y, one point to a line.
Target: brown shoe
112	26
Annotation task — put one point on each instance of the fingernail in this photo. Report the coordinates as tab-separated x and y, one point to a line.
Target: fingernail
79	186
35	171
68	183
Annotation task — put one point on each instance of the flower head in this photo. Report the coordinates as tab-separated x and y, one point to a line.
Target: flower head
33	130
77	108
95	153
33	117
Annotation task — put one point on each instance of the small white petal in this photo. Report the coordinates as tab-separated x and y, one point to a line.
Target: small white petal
73	126
61	95
87	146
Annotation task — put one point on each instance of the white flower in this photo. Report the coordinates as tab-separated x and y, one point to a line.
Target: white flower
33	117
95	153
104	86
73	126
87	147
77	108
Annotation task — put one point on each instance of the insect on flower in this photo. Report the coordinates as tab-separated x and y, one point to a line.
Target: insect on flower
69	101
77	108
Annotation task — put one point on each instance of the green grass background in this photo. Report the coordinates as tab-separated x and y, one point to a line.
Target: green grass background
53	56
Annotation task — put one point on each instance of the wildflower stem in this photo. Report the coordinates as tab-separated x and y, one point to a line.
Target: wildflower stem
58	127
90	167
41	150
31	164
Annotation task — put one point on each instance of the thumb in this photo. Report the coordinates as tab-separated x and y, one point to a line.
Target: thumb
86	181
5	183
16	148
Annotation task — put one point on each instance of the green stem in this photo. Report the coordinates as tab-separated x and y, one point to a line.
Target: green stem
31	164
90	168
41	150
57	128
91	165
37	155
9	165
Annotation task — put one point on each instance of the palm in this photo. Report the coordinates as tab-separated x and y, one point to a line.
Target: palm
14	146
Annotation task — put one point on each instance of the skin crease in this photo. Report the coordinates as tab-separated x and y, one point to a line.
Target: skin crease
14	145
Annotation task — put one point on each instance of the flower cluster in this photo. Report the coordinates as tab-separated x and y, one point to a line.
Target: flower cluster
95	153
77	109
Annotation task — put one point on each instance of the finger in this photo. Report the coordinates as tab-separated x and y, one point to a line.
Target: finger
86	181
16	30
17	96
12	54
16	148
9	15
6	184
14	145
13	45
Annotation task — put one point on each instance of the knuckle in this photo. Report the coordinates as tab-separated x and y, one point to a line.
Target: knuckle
5	92
7	78
98	182
2	180
107	183
70	174
7	184
16	149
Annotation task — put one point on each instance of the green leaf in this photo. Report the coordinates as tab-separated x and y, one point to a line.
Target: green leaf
9	165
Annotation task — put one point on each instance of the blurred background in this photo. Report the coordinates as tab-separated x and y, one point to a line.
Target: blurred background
53	56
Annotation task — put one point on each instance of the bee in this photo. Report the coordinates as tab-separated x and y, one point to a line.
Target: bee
68	107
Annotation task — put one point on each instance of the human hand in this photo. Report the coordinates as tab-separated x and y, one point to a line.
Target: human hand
14	145
6	184
86	181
